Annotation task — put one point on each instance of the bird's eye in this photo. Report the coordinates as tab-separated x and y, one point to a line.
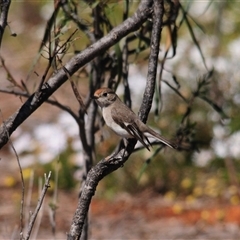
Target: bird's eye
105	94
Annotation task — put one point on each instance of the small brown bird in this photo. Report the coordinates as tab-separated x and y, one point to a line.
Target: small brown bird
123	121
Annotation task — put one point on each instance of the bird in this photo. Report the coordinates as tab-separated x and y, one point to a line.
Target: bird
123	121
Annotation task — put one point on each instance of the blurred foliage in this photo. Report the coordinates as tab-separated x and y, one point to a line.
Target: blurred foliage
62	169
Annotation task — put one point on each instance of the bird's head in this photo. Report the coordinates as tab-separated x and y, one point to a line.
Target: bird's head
104	97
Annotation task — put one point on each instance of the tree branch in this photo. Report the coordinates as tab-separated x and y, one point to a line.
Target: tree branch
78	61
153	60
4	7
99	171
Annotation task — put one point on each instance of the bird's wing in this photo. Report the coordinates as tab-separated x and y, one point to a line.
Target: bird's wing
135	132
128	123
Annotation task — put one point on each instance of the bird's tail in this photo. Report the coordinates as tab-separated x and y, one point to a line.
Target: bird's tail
152	133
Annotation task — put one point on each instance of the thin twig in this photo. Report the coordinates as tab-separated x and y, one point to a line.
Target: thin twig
53	54
176	91
40	201
76	92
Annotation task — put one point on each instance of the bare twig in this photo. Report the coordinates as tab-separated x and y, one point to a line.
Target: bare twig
175	90
40	201
53	54
76	93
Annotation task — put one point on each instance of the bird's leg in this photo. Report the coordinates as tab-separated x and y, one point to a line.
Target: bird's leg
125	143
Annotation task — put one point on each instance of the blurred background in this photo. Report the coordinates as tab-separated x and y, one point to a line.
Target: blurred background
198	97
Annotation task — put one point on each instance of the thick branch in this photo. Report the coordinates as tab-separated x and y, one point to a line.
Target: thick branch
103	168
153	60
78	61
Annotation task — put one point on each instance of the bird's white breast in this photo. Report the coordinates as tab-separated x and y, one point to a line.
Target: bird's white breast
107	115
